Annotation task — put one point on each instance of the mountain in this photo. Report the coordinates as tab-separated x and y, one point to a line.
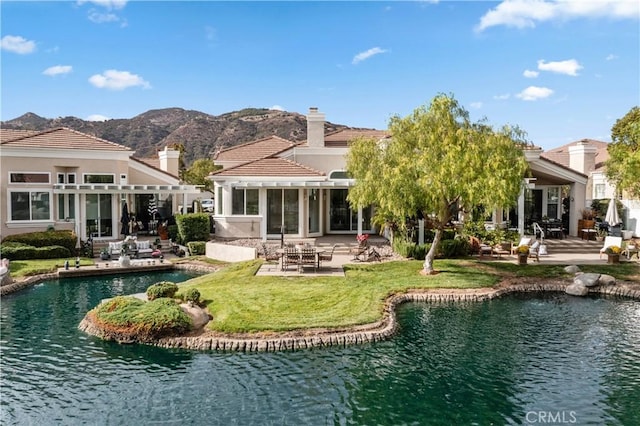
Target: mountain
201	134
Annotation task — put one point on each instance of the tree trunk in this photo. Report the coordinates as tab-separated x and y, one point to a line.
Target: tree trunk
427	267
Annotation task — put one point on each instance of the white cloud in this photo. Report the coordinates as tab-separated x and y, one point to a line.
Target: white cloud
109	4
117	80
17	44
502	97
277	108
476	105
97	117
57	70
102	18
568	67
367	54
611	57
533	93
527	13
530	74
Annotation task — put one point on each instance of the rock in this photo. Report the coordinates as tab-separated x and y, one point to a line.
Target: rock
606	280
198	315
588	280
572	269
577	289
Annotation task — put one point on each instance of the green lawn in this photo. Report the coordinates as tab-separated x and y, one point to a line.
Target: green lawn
25	268
243	302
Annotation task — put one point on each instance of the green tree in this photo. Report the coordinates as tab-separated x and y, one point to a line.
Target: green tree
436	162
623	166
198	172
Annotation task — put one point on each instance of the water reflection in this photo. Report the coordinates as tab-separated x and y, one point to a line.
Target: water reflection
480	363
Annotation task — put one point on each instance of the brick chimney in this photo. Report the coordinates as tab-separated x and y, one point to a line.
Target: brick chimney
315	127
169	161
582	157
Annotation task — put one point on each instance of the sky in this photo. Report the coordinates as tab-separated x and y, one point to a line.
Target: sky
560	70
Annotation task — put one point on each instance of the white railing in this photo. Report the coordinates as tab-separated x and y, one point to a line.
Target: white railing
537	228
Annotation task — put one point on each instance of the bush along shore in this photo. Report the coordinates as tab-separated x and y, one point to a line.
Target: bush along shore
189	329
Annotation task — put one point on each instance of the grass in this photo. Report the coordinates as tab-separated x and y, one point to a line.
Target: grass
241	302
25	268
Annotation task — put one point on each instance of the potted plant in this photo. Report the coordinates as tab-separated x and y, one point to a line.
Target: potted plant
104	253
613	254
157	243
600	234
523	254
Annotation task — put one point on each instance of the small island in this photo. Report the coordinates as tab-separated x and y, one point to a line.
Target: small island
233	310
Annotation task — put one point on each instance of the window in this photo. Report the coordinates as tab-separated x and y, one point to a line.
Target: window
60	178
339	174
598	190
244	201
28	177
66	206
99	178
552	202
71	178
30	205
219	199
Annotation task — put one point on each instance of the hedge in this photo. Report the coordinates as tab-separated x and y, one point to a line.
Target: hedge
162	289
25	252
65	238
197	248
193	227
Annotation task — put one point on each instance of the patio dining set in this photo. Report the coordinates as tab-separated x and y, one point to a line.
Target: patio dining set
299	256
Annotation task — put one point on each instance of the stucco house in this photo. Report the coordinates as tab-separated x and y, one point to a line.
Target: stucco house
273	186
71	180
588	156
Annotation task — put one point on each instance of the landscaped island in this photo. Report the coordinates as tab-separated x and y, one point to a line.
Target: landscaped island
261	313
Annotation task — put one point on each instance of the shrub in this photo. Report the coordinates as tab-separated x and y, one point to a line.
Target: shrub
173	233
162	289
197	248
454	248
192	295
44	239
403	247
193	227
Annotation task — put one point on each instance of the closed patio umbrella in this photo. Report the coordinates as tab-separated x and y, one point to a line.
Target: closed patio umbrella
125	219
612	216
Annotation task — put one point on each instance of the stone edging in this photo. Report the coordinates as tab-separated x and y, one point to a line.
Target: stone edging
35	279
378	331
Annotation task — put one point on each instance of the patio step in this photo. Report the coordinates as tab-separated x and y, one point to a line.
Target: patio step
572	245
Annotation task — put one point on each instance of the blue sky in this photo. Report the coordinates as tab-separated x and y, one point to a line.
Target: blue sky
561	70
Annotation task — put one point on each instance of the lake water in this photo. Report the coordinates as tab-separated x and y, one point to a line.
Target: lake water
543	359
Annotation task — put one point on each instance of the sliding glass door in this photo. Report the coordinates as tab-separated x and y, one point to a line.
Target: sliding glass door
99	221
282	211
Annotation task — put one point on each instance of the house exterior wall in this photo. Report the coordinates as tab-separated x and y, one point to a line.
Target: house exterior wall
322	159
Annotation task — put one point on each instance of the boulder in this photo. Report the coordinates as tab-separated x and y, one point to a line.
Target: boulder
572	269
198	315
606	280
577	289
587	280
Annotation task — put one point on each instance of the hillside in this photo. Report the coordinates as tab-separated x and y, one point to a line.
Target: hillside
200	133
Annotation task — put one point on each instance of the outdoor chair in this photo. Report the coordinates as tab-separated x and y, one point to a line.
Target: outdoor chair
307	258
588	229
524	241
326	257
610	241
290	257
269	255
361	250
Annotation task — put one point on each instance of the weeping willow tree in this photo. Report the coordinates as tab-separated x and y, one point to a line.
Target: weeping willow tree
436	162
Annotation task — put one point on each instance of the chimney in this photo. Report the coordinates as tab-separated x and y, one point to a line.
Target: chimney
170	161
582	157
315	127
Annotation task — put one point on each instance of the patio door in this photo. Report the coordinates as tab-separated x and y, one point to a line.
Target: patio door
282	211
99	219
344	219
314	196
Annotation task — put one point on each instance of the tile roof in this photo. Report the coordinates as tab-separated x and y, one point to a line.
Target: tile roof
560	155
7	135
255	150
62	138
274	167
341	138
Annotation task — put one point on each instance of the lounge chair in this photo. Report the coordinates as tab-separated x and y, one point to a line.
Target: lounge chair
524	241
534	251
610	241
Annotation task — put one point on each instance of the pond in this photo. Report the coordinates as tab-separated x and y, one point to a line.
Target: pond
534	359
